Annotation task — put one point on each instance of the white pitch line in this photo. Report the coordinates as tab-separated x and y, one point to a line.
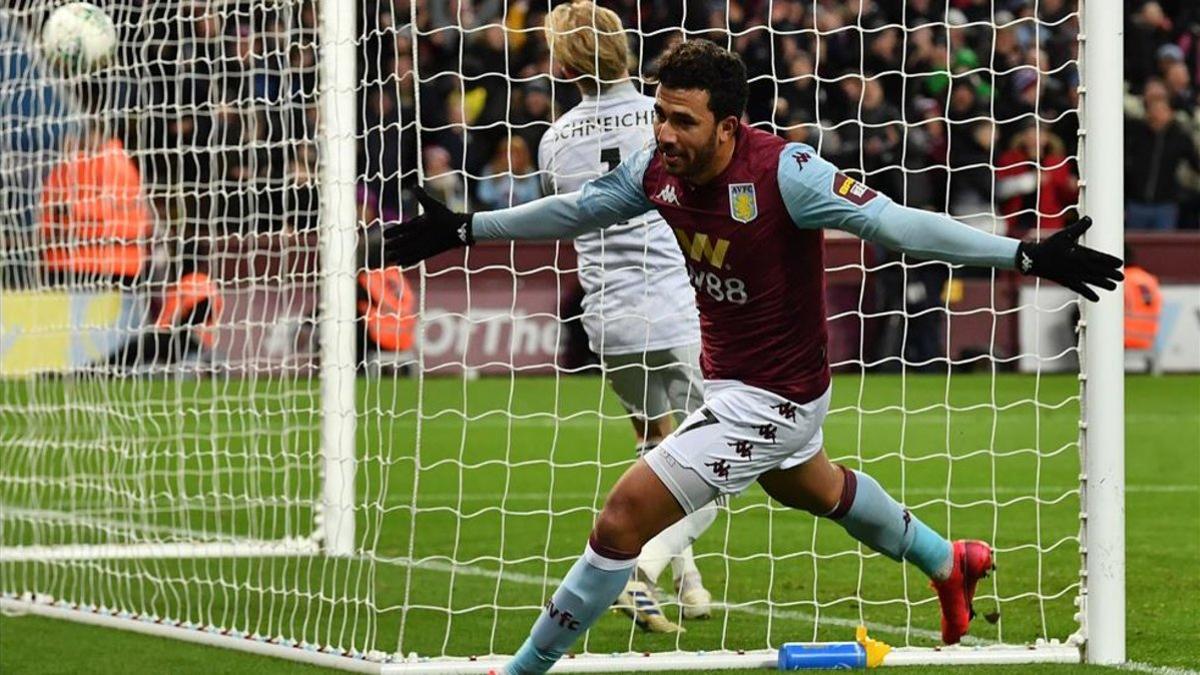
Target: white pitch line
534	580
1155	670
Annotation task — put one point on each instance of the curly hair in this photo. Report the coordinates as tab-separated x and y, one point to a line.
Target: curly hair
701	64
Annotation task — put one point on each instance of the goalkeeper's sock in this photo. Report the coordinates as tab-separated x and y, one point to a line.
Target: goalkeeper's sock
672	542
586	593
871	516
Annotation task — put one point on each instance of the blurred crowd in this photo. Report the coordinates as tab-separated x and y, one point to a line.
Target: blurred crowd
211	112
1162	129
964	106
968	106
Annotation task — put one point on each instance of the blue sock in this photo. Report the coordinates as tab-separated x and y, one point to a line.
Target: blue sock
587	591
877	520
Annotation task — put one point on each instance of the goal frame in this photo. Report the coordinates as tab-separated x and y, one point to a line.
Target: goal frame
1100	638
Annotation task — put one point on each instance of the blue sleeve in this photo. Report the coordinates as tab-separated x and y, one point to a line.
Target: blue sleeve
614	197
818	195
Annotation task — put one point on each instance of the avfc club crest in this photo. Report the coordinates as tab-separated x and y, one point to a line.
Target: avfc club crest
743	205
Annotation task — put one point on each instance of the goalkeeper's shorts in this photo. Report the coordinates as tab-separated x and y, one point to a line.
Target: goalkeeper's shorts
656	383
739	434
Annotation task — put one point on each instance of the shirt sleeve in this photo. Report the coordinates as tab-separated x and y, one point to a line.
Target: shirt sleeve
818	195
612	198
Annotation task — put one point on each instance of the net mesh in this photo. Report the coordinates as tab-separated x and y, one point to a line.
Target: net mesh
486	438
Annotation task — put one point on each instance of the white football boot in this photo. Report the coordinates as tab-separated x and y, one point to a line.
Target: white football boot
638	602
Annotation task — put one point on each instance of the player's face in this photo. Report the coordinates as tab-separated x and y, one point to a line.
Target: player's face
686	131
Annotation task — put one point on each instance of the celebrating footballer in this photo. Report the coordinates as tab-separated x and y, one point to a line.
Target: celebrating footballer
748	209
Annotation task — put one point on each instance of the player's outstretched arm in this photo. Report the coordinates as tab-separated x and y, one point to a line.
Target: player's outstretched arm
818	195
437	229
1061	258
607	200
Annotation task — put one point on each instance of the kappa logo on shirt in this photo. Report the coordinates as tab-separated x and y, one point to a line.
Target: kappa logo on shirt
667	194
851	190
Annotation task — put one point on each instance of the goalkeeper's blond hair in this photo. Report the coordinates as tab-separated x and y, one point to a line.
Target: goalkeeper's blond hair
589	41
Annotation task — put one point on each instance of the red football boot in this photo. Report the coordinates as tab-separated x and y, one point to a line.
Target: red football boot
972	562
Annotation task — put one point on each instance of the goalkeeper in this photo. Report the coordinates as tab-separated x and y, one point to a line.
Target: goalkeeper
639	310
751	209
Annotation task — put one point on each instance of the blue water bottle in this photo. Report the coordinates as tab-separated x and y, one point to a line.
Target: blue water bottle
865	653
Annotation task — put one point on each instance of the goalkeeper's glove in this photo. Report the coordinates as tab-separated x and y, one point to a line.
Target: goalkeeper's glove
436	230
1061	258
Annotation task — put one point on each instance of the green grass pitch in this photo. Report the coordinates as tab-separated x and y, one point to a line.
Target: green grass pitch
499	493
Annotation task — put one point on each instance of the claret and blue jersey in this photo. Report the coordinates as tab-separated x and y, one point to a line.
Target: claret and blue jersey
752	240
759	279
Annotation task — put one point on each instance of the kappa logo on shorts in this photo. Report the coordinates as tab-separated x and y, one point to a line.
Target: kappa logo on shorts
744	449
786	410
720	468
851	190
743	205
767	431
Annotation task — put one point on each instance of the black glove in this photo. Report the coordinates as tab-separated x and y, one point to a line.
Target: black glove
436	230
1060	258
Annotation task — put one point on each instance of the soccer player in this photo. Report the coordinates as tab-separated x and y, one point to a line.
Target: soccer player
749	209
639	310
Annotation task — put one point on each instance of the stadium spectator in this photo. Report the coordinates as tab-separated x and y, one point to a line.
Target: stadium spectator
185	328
1143	305
925	63
441	179
387	308
1034	182
382	154
801	93
534	112
881	140
1179	87
1155	148
969	158
471	149
881	61
511	177
1147	30
297	205
95	223
924	153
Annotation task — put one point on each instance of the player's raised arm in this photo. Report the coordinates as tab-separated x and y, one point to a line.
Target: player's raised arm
609	199
818	195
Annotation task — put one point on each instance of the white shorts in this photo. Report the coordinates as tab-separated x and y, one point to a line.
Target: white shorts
657	383
739	434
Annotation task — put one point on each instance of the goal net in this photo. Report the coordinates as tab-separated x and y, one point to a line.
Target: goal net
216	425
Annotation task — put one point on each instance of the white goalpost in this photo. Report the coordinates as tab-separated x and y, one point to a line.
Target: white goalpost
1102	435
277	474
